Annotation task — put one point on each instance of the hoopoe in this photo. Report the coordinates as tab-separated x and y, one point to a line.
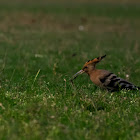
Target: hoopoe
104	78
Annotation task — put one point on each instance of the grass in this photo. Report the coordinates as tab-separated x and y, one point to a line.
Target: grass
42	46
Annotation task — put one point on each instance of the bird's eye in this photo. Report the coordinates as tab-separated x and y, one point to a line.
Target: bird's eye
85	67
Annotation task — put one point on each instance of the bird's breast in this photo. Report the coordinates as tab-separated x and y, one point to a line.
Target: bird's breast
95	78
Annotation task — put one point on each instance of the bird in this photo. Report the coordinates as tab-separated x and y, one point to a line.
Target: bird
103	78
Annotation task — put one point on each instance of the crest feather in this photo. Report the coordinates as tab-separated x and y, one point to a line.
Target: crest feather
94	61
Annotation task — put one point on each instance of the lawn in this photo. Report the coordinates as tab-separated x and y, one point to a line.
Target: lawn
42	45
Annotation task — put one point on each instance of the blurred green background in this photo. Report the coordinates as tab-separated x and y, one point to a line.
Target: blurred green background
42	44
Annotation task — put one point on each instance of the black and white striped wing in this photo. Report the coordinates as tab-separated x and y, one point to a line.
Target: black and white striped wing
113	83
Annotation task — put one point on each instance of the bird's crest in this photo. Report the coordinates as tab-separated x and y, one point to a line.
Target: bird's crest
95	60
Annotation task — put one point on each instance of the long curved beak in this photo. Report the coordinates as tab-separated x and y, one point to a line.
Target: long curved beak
75	75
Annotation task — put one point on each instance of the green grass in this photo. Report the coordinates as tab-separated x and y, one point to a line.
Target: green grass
41	47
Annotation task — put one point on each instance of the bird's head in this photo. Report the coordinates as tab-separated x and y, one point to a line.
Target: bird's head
88	66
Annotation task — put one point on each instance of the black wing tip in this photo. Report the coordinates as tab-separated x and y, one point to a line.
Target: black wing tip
103	56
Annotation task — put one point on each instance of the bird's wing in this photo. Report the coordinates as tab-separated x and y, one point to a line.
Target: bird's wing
113	83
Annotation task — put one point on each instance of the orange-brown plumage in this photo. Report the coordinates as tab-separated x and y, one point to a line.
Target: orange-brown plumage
96	75
104	78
